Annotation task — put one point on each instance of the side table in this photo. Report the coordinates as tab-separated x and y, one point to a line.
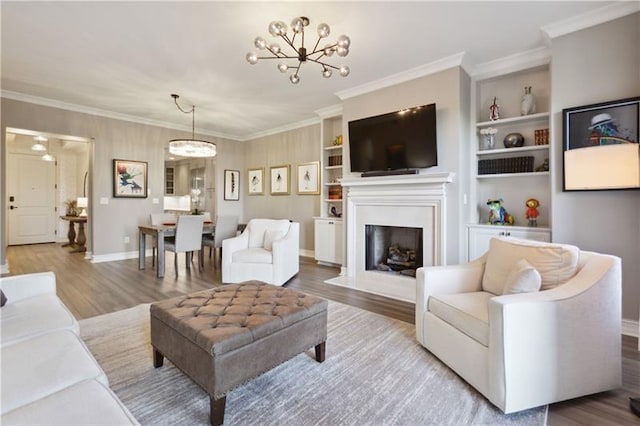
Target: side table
79	243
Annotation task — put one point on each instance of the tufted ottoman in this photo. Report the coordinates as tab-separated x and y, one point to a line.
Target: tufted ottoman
223	337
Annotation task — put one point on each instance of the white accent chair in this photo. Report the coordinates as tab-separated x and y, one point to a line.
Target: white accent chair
188	239
226	227
526	349
267	250
159	219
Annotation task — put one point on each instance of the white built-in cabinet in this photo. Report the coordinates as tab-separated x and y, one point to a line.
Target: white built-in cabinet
480	235
513	174
328	226
328	240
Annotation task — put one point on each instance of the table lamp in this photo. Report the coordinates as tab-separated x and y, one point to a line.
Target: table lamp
83	203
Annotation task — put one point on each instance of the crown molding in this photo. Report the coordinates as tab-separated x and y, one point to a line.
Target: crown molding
330	111
519	61
17	96
591	18
401	77
281	129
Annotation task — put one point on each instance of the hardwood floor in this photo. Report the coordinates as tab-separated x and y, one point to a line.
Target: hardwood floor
93	289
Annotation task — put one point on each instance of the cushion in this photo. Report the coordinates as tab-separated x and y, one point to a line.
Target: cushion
556	263
3	298
35	315
271	235
258	227
523	278
467	312
252	255
43	365
87	403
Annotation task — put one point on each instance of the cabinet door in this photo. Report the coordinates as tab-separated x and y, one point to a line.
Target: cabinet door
328	241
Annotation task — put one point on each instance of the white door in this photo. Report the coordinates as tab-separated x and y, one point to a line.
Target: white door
31	189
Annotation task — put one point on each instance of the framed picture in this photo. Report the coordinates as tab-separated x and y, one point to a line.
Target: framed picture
129	179
308	178
232	185
255	179
601	149
280	180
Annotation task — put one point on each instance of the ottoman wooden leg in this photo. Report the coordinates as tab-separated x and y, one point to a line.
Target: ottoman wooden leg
217	410
158	358
320	351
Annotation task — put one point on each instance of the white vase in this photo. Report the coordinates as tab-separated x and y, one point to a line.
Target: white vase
528	104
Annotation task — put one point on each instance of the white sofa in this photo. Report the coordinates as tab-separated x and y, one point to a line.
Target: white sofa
267	250
48	375
522	348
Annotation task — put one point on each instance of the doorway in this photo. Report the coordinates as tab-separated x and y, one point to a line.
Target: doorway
44	184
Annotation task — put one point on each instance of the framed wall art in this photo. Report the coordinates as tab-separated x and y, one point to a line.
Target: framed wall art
255	179
280	178
601	149
129	179
309	178
232	185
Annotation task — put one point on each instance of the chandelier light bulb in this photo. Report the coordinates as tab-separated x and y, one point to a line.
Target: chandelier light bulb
252	58
344	71
326	73
274	28
294	78
275	48
297	25
324	30
342	51
344	41
283	67
260	43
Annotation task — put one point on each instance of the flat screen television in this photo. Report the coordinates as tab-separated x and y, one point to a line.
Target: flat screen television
394	142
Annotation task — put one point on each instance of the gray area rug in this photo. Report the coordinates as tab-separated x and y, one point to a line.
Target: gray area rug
375	373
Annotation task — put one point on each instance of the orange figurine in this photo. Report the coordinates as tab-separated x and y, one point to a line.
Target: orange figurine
532	211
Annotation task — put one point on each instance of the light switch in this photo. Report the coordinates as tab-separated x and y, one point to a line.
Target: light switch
155	201
104	200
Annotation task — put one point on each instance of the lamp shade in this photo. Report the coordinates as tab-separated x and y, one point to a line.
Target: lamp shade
83	203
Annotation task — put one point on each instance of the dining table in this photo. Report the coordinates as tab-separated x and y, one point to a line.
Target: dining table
159	232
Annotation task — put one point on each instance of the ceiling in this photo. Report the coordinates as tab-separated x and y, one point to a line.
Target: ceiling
126	58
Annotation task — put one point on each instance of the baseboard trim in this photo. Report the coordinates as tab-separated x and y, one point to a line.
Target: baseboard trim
307	253
630	328
111	257
4	268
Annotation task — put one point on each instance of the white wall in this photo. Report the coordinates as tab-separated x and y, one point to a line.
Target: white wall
595	65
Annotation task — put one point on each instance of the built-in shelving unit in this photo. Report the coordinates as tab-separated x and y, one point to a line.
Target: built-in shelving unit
512	174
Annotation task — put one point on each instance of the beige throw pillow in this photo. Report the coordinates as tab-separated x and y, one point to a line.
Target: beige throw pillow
556	263
523	278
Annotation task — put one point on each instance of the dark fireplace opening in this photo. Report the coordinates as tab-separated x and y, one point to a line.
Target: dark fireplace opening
393	249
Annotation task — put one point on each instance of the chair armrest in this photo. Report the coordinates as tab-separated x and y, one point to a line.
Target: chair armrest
231	245
564	342
286	253
20	287
447	279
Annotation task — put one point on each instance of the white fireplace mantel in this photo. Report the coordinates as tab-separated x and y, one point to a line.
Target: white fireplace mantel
404	200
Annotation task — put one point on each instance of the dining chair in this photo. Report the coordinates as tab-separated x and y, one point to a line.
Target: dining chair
226	227
187	240
160	219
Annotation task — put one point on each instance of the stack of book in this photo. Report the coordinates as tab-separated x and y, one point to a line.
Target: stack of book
335	193
335	160
505	165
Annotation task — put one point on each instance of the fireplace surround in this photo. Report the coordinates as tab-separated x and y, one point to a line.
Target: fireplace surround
409	201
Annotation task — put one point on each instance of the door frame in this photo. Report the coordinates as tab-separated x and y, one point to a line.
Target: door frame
4	220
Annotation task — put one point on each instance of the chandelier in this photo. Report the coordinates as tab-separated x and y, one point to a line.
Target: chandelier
191	147
301	55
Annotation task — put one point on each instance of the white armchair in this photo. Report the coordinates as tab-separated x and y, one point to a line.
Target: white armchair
526	349
267	250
